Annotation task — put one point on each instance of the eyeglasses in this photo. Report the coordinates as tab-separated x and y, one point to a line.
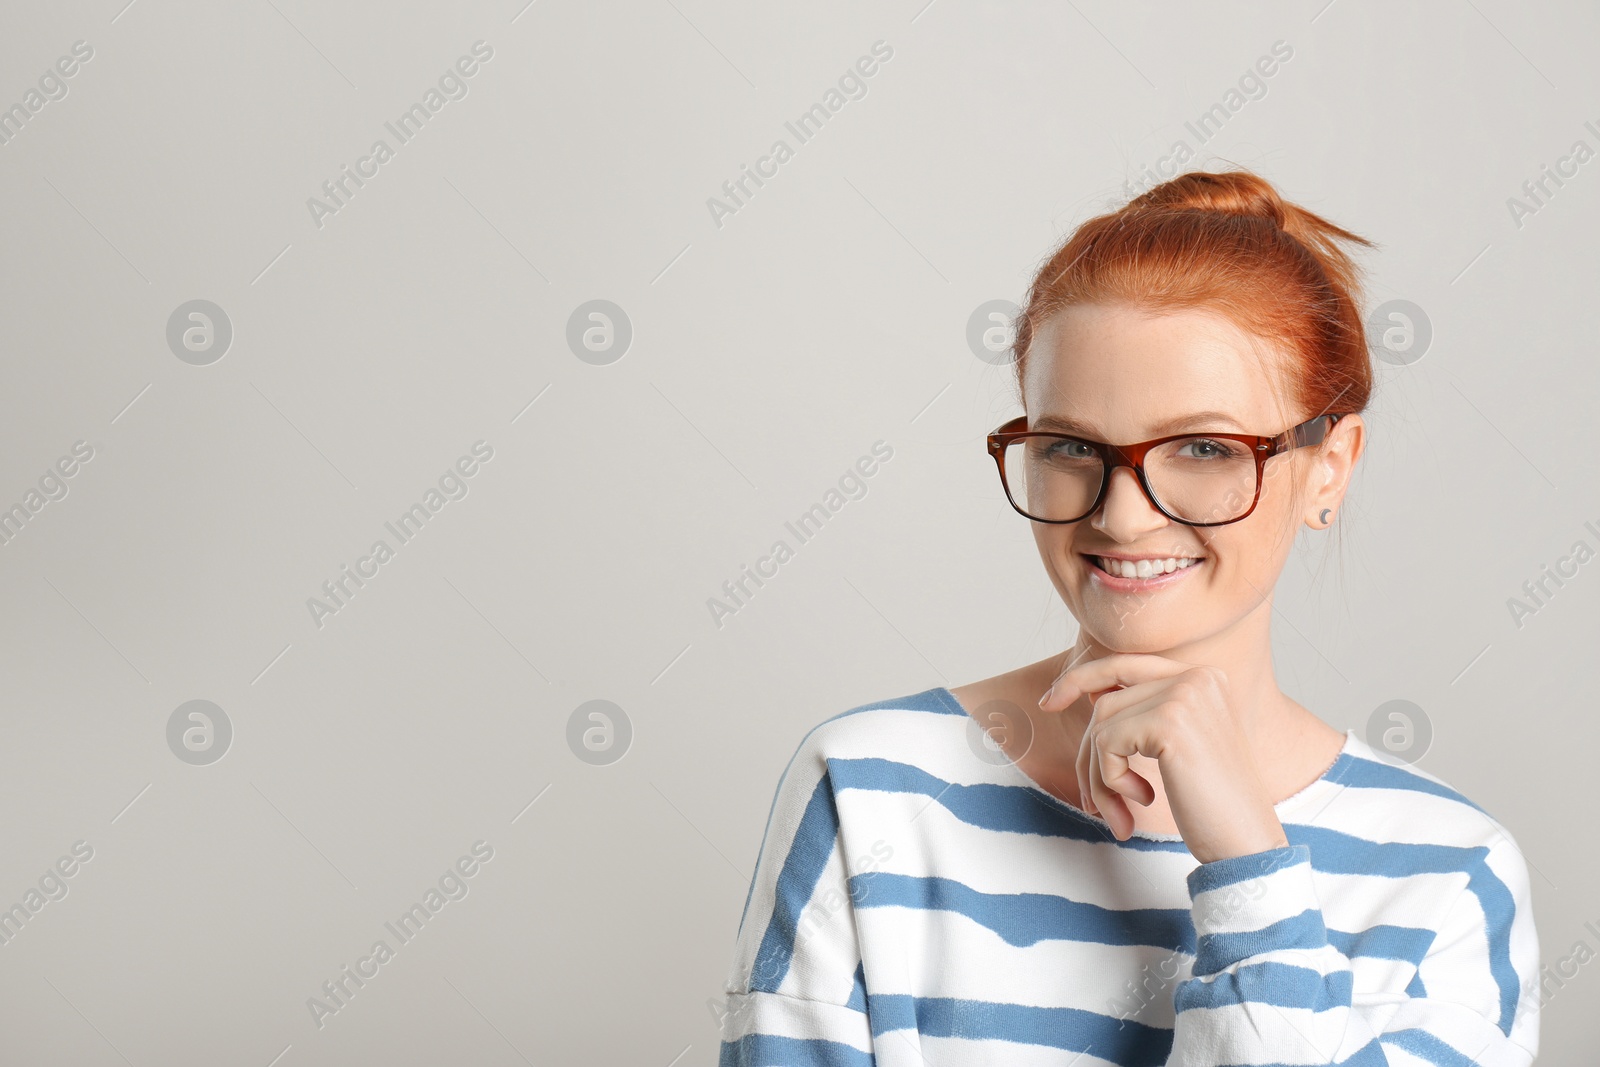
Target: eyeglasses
1207	479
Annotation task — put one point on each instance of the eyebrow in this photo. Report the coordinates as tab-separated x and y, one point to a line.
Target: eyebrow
1189	421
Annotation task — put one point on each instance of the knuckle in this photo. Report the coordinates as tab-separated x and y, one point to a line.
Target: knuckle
1172	721
1178	728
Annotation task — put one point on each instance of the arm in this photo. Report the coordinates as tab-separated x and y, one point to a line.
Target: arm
1268	987
796	993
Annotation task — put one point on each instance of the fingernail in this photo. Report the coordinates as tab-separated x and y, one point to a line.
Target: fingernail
1046	696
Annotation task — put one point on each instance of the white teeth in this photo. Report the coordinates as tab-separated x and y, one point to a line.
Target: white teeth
1144	568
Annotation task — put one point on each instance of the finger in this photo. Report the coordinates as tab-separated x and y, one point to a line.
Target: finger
1111	781
1085	749
1108	703
1101	706
1119	776
1119	668
1122	737
1090	676
1111	805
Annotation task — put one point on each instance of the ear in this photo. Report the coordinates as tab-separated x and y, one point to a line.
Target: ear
1332	465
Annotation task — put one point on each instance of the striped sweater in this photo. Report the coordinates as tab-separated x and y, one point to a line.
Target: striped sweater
917	900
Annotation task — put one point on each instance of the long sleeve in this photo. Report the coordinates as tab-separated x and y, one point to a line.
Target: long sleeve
1268	986
796	993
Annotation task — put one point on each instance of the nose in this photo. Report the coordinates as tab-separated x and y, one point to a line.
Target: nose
1126	511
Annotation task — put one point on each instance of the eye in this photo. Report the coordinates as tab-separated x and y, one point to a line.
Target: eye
1208	448
1067	448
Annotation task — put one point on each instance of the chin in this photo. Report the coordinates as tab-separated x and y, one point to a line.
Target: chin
1138	640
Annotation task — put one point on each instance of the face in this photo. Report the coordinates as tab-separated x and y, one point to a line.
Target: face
1122	374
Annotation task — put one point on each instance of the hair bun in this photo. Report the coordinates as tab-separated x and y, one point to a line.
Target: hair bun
1224	192
1199	240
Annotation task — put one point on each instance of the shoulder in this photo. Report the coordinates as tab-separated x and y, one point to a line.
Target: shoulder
891	745
1385	799
903	728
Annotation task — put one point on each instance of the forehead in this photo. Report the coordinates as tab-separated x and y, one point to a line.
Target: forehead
1124	372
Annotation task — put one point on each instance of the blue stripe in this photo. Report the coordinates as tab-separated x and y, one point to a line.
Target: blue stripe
1498	909
858	989
929	700
1027	918
1384	942
1127	1042
1336	852
1359	773
1422	1044
1282	984
1368	1055
796	882
768	1050
1303	932
1008	808
1124	1042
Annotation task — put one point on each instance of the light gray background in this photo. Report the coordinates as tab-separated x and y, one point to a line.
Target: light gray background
768	355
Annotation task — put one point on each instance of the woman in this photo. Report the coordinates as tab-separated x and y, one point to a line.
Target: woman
1156	857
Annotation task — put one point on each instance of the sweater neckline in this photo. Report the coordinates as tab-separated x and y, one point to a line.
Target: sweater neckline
1290	803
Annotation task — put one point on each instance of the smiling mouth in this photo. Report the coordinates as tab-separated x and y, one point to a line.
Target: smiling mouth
1144	568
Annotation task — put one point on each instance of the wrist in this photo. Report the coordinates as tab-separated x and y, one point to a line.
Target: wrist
1266	839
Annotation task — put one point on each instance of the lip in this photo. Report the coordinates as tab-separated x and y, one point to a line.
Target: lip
1118	584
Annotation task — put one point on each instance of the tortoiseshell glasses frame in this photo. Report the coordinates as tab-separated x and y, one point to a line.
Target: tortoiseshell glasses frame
1311	432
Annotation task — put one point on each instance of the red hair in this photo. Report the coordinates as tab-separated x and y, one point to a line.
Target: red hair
1223	241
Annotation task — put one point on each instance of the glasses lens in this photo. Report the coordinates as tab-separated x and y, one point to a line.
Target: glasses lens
1202	479
1197	479
1052	478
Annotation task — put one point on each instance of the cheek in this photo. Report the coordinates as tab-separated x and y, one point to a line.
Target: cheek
1055	549
1049	542
1248	555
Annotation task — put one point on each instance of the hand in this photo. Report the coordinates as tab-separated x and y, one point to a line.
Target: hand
1184	716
